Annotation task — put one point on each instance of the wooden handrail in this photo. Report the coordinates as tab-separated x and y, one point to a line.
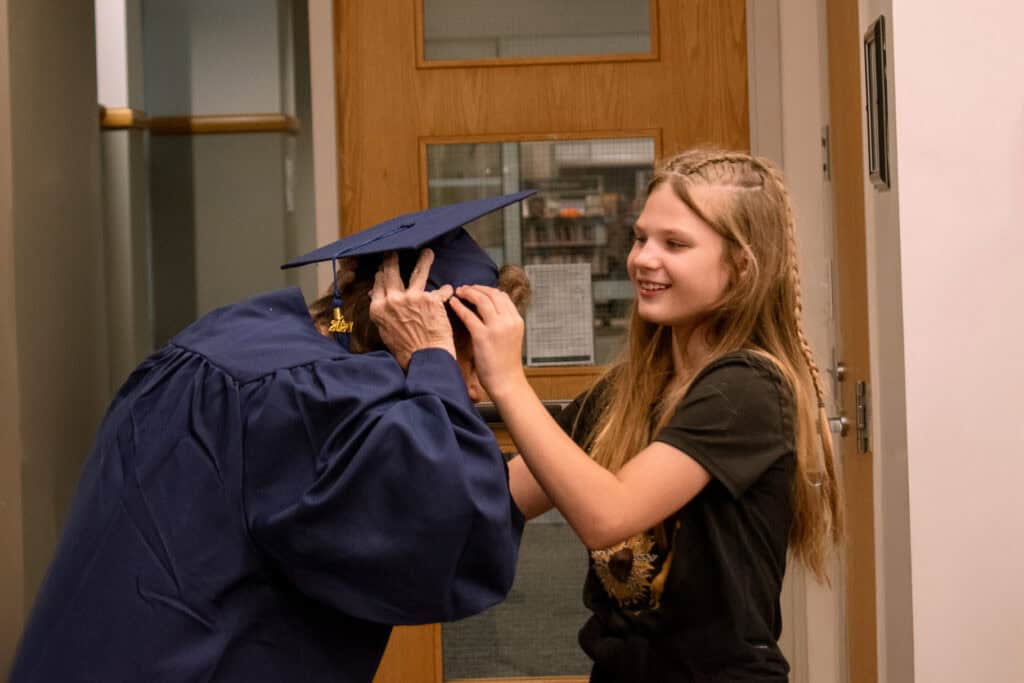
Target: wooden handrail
119	118
116	118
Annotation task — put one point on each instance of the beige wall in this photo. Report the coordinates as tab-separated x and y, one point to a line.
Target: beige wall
125	176
58	269
11	538
958	70
324	140
52	351
242	200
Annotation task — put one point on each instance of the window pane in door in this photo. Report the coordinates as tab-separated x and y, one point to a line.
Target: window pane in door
572	237
495	29
534	631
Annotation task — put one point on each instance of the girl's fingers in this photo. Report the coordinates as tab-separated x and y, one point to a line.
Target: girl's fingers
485	307
418	278
503	302
392	278
498	300
468	317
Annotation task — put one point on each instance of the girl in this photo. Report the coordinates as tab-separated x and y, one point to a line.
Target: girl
703	454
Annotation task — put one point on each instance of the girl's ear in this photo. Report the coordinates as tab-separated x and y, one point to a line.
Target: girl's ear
740	262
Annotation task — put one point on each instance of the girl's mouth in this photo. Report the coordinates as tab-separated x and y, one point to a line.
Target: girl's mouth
650	288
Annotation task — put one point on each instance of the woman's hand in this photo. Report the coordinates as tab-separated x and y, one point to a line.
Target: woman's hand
497	331
410	319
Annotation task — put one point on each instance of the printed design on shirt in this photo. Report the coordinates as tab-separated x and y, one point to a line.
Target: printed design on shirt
626	569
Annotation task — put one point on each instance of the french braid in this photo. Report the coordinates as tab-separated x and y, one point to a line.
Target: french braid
818	513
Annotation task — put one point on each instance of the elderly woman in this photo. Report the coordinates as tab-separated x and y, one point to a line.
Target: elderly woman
263	503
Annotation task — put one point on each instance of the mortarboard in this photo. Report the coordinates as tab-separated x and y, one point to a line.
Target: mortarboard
458	259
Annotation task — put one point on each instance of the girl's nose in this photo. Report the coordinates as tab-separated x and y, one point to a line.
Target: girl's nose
644	256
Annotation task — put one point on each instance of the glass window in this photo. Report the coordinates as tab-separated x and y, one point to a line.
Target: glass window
572	237
533	631
495	29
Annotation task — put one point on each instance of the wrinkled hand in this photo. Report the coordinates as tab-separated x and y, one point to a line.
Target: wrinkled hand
497	331
410	319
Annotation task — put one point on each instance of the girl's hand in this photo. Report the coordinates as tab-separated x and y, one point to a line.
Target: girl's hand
410	319
497	331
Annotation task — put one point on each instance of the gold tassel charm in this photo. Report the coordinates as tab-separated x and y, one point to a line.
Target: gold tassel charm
339	324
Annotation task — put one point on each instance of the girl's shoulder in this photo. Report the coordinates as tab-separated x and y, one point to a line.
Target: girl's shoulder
748	358
736	420
744	370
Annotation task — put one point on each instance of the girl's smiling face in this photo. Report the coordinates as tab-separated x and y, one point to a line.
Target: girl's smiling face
677	263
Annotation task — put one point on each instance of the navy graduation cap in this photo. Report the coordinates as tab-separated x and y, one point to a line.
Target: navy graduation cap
458	259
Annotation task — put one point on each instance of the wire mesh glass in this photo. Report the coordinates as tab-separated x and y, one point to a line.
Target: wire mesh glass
589	194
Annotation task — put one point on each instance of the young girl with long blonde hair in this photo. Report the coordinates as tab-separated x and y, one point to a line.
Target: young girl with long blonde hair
702	457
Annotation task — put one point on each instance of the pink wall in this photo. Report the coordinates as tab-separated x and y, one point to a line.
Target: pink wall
959	72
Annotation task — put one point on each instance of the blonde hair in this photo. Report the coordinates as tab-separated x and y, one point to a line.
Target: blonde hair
749	207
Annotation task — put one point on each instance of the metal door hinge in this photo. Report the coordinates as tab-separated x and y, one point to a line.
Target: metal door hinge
862	417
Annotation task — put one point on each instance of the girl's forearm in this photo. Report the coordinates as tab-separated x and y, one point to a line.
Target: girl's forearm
587	494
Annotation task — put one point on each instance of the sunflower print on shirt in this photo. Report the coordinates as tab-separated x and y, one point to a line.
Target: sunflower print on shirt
629	571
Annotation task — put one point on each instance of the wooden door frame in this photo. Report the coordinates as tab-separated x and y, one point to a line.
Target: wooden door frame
847	170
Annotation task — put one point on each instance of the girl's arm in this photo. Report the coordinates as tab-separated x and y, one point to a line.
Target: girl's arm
526	492
603	508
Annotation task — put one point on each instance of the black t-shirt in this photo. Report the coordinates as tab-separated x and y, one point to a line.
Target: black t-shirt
698	598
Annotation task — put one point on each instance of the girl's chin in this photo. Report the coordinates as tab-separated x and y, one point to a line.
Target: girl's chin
659	318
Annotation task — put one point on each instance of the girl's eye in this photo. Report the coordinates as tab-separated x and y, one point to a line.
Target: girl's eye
672	244
639	239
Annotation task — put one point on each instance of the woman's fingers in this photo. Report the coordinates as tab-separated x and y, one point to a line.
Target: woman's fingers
377	293
392	276
444	293
418	278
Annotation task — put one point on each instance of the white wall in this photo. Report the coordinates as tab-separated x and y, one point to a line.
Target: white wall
959	68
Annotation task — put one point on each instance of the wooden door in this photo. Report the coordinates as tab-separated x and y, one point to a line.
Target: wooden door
690	89
846	111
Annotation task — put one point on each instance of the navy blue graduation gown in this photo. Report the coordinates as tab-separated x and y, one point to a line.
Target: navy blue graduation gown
261	505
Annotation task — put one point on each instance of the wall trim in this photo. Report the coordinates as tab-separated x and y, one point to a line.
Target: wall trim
120	118
223	123
117	118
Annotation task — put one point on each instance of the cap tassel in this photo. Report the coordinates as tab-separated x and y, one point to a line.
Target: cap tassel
339	327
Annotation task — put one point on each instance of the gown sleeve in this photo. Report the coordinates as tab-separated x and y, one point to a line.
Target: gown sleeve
380	493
